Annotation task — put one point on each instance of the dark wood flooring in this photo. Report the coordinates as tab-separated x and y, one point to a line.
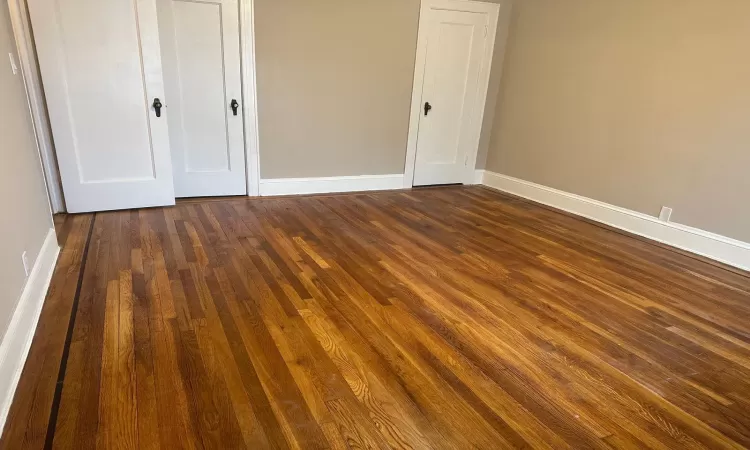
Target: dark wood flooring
449	318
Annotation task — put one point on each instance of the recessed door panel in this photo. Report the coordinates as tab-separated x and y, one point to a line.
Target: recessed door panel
201	72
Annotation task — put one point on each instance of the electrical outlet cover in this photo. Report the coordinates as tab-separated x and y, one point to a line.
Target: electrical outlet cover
13	65
25	261
666	214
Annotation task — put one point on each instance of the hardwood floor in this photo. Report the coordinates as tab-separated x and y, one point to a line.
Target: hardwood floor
444	318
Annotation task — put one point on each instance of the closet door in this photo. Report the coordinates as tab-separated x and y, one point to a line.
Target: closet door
457	49
101	67
201	57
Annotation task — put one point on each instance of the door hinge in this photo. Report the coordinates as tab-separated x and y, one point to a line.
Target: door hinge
466	160
485	31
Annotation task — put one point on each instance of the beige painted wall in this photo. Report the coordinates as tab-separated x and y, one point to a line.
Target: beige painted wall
25	219
334	85
638	103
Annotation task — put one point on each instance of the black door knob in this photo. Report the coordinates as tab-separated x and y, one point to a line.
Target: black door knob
234	106
157	106
427	108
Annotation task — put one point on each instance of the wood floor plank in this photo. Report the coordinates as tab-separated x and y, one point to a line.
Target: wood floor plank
444	318
26	426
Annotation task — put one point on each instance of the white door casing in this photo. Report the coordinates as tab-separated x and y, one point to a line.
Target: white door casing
101	68
201	59
30	68
249	94
454	57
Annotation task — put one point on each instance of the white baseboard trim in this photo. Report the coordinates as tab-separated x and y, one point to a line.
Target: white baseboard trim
720	248
478	176
15	346
327	185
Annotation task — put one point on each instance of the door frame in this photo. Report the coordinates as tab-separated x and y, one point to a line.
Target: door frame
493	12
19	18
249	96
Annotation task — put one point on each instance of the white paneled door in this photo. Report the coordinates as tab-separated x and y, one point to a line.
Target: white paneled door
101	66
201	59
456	41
